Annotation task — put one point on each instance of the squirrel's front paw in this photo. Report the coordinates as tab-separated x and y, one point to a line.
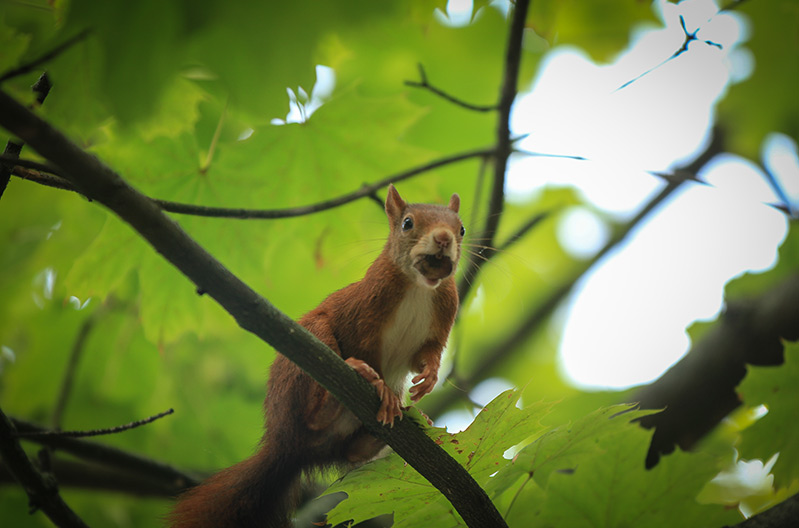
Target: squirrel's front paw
428	379
390	406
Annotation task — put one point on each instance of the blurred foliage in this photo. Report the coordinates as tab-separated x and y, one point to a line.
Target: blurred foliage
775	388
179	98
774	42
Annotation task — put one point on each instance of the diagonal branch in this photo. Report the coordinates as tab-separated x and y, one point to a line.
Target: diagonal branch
42	492
251	311
45	57
493	357
425	84
486	253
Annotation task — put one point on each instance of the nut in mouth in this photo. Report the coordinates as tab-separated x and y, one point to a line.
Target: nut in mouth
434	267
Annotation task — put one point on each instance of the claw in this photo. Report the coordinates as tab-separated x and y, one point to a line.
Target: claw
428	379
390	407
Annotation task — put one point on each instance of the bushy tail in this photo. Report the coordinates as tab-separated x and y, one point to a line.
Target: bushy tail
260	491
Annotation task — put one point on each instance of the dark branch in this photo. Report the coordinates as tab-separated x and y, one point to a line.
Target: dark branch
513	54
45	57
251	311
106	456
364	191
42	491
13	148
263	214
7	162
423	83
95	432
75	474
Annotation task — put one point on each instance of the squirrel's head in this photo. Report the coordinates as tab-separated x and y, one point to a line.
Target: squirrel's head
425	239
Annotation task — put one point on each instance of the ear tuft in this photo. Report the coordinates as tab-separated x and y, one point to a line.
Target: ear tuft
455	202
394	203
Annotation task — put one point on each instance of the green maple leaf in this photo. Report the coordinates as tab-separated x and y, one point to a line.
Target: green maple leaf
390	485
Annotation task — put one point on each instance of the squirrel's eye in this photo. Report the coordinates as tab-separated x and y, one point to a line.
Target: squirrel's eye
407	223
463	230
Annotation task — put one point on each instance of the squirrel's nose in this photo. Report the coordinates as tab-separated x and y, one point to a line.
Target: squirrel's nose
443	238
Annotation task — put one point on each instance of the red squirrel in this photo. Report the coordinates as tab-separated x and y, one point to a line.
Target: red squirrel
392	322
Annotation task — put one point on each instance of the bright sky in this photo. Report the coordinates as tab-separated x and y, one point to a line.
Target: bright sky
626	320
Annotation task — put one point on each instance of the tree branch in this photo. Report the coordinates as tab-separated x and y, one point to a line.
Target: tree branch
251	311
486	253
9	157
513	53
59	181
50	55
492	358
42	492
424	84
74	474
69	373
96	432
110	457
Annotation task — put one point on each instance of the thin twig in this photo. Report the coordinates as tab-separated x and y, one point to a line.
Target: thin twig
267	214
688	38
69	372
42	492
104	455
96	432
424	84
55	52
466	282
532	154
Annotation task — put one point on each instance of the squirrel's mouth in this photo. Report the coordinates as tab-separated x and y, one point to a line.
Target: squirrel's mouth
434	267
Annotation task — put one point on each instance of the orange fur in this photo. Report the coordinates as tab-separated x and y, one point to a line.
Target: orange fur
392	322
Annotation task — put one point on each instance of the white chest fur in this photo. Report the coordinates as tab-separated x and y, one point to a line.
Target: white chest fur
408	330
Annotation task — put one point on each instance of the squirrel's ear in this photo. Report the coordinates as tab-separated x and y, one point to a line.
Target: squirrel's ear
455	202
394	202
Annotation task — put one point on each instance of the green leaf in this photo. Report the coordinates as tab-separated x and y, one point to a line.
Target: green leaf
602	28
774	33
609	487
390	485
12	45
777	431
565	447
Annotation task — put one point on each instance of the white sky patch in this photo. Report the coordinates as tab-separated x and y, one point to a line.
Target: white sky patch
628	317
582	233
302	105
